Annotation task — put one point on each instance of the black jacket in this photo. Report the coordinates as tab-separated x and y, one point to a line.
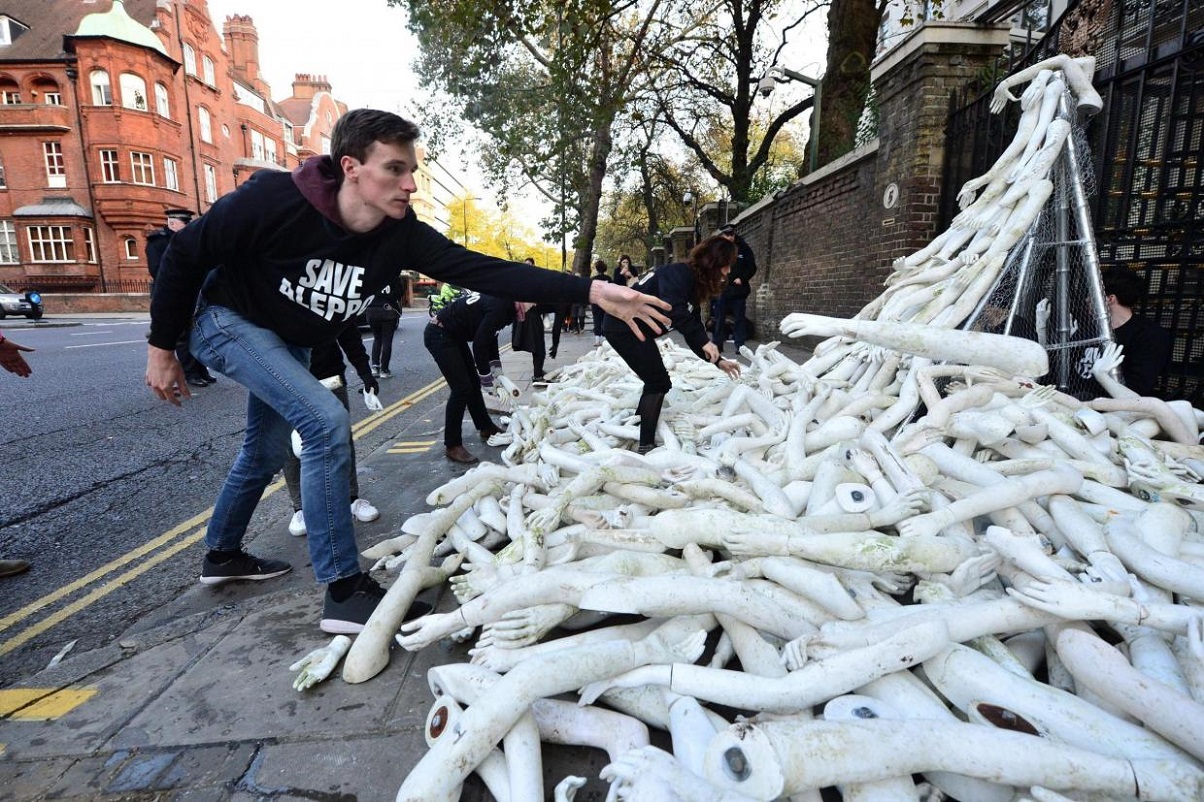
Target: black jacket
673	283
326	360
281	258
476	319
156	245
1147	353
744	269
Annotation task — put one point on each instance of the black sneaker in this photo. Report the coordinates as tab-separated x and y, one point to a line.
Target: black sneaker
243	566
349	616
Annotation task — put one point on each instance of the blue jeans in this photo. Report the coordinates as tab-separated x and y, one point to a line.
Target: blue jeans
283	396
736	307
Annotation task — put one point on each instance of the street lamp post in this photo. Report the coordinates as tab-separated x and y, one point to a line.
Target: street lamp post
689	197
780	75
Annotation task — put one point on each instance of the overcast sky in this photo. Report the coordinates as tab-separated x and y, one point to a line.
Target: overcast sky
366	52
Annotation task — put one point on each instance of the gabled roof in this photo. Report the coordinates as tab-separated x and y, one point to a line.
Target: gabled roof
50	20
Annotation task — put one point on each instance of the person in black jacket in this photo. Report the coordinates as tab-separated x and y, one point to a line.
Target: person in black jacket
1147	346
286	261
687	286
734	297
326	362
601	274
474	320
383	314
195	374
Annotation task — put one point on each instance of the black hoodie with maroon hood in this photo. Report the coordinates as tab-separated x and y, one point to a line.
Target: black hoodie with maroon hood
275	251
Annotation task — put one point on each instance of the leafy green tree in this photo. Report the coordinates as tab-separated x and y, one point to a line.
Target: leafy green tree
708	81
545	81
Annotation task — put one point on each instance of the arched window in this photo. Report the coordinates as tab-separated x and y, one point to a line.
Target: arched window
10	93
102	92
162	101
48	92
205	123
189	60
133	92
208	72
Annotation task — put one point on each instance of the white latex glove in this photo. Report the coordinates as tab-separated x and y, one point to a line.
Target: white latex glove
372	402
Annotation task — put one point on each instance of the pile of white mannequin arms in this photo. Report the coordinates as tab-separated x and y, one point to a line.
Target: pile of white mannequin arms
901	569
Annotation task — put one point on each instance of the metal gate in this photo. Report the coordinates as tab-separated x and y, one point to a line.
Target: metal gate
1147	147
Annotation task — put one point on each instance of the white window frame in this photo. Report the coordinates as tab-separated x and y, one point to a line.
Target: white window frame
189	60
210	182
142	167
102	88
269	149
257	151
9	253
204	124
3	182
54	242
56	165
171	174
133	91
110	166
208	73
162	100
52	98
131	248
10	97
90	244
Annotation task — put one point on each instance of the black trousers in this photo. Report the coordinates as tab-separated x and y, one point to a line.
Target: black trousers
645	359
454	359
382	340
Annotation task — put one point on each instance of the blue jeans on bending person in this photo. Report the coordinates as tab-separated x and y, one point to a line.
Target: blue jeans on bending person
283	396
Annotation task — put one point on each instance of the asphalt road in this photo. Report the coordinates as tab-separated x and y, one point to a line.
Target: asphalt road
105	489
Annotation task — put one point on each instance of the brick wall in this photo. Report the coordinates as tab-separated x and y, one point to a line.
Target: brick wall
826	244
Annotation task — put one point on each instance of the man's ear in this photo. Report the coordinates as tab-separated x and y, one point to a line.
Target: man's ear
350	166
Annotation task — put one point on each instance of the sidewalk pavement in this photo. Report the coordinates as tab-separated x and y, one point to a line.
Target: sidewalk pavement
195	701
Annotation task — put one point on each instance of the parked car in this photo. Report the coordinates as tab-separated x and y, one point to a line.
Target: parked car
26	304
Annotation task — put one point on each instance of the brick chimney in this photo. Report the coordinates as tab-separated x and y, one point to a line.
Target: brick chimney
305	85
242	43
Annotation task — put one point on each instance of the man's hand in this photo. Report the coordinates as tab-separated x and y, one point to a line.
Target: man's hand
630	306
486	380
164	376
11	359
712	352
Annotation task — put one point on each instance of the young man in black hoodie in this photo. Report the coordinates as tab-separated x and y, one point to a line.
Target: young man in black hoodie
286	262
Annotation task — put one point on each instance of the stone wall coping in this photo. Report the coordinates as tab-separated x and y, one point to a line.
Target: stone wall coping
932	33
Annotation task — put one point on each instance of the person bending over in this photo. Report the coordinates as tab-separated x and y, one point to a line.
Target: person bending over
687	286
462	338
282	264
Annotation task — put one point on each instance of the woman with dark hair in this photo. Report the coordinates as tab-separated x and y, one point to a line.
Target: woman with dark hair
688	286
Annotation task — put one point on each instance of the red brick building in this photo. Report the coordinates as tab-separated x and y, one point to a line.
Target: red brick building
112	112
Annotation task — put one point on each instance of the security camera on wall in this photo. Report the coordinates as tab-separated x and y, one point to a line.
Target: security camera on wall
765	86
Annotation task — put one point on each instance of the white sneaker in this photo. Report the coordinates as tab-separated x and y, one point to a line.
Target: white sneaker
597	341
362	510
296	527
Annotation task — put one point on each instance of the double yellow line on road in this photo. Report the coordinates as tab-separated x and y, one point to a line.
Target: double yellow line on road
138	561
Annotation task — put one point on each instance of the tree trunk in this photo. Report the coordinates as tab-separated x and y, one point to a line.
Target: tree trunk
591	201
852	38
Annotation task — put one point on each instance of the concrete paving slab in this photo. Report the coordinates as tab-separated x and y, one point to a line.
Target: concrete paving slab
123	690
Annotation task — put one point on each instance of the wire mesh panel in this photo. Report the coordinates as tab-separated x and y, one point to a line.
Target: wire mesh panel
1049	289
